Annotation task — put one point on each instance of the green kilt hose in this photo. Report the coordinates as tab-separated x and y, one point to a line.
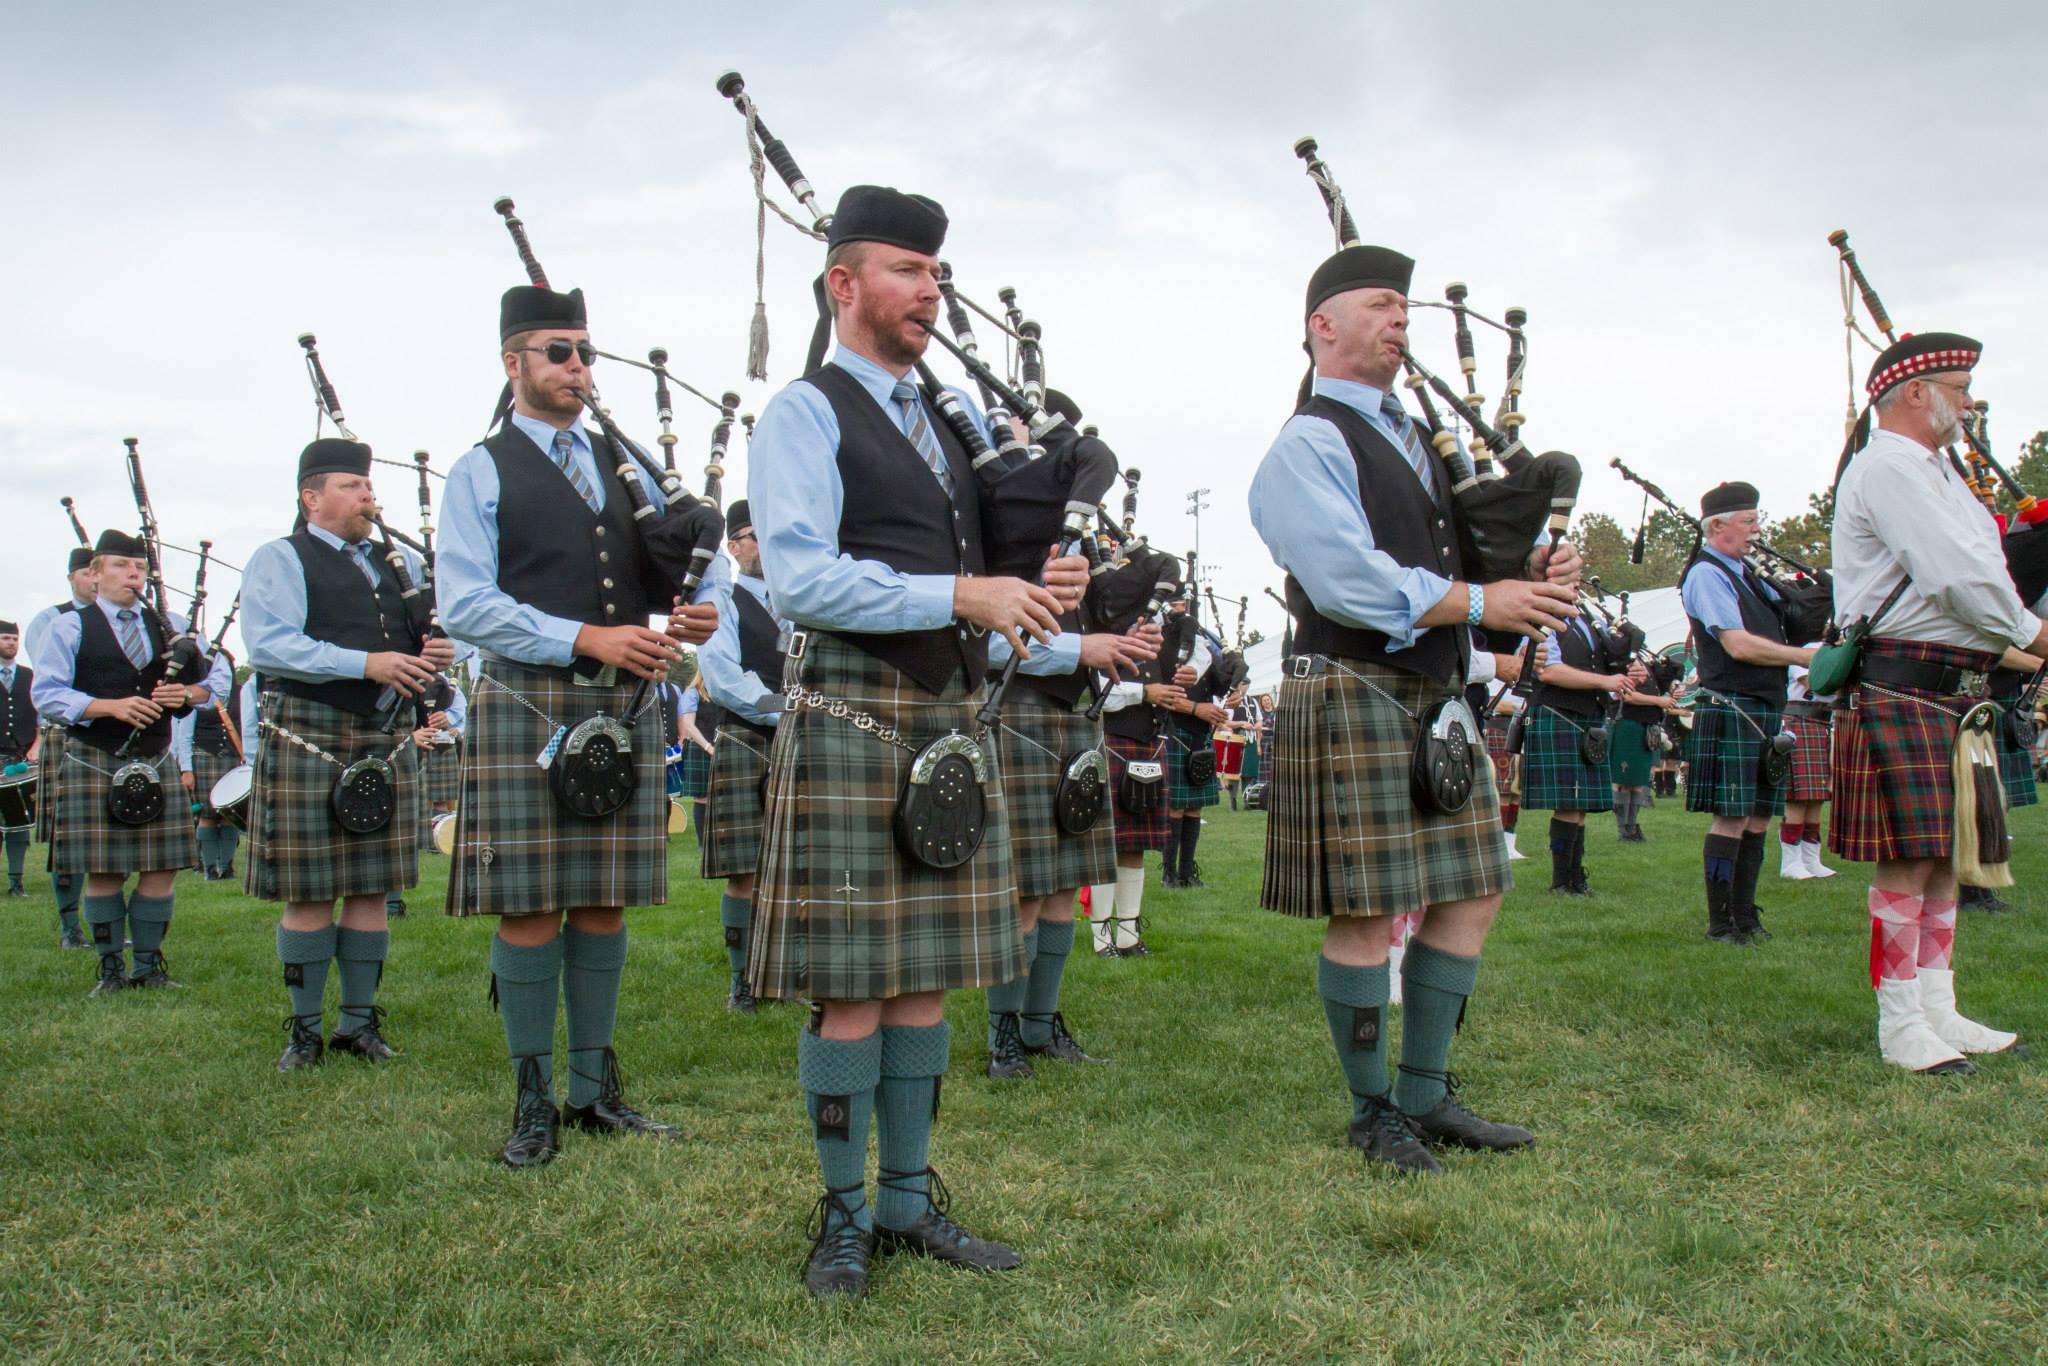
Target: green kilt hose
1135	834
1812	778
1343	835
1894	788
1182	795
209	768
1555	776
91	841
1507	768
296	851
1035	739
731	833
840	913
519	853
49	759
1629	759
441	773
694	769
1726	755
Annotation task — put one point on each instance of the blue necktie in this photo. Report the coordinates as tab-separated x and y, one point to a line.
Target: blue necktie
132	642
920	432
565	457
362	555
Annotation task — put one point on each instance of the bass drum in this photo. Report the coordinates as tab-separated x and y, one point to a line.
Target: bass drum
230	795
444	832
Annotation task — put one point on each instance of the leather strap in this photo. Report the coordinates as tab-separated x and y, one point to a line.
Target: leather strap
1943	680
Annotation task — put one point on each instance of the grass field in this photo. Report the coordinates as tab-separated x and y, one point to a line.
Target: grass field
1725	1170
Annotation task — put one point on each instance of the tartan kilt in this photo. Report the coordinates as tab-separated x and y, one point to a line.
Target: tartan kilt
90	841
1135	834
296	851
840	913
49	759
1036	738
1507	768
731	830
1628	754
1894	789
1723	757
209	768
1812	780
1554	776
1251	762
694	769
1343	835
441	773
1181	795
519	853
2016	767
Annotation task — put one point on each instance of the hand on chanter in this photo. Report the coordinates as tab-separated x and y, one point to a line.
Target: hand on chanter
639	651
1560	563
1011	607
439	652
692	623
1527	609
1115	655
1066	576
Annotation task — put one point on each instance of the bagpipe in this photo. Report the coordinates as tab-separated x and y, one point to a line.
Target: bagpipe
77	527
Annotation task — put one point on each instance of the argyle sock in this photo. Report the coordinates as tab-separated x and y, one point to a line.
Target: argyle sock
305	955
1129	901
1355	1006
1718	858
593	966
838	1077
529	981
1170	856
734	915
1434	985
1749	864
361	954
149	920
107	917
1048	964
1894	936
1560	853
1007	998
1790	833
913	1058
1190	835
1937	934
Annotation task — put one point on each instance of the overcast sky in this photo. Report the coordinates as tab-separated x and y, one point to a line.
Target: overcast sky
194	185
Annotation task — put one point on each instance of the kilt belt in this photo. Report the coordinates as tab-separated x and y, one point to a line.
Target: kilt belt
1555	775
1035	739
296	850
731	833
1729	732
91	841
840	912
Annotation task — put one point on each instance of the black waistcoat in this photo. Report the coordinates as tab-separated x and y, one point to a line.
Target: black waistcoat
555	554
1577	653
208	734
1408	525
342	609
18	712
666	700
896	512
104	670
1722	671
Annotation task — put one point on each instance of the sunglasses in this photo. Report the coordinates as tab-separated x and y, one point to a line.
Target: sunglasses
558	352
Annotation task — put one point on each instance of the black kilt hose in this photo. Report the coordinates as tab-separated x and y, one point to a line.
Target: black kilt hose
1726	756
1181	741
91	841
516	851
1136	834
840	913
731	833
441	773
1555	774
1812	777
1343	835
296	851
1035	740
49	759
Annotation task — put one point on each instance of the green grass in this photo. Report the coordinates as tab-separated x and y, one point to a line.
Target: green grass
1725	1169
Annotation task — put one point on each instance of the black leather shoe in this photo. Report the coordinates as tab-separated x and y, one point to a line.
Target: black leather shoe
367	1042
16	889
305	1048
1061	1046
395	910
1383	1135
1169	882
1954	1067
842	1252
1006	1060
1451	1123
72	939
1135	949
1728	934
609	1113
741	996
157	974
535	1121
113	976
1106	951
938	1237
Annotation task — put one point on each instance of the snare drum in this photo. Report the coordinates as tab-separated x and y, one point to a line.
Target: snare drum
1229	755
230	796
18	800
678	815
444	832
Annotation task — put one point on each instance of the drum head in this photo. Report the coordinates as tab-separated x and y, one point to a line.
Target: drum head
230	795
678	815
444	832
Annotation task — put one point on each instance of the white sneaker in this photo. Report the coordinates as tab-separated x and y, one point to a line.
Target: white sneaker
1938	1004
1514	855
1791	866
1904	1037
1810	853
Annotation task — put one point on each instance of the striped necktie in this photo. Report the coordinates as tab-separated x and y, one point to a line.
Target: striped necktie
920	432
1418	454
132	642
565	459
361	552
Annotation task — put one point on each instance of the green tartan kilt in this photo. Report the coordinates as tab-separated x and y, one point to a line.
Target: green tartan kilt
441	773
1343	834
2016	767
694	769
1628	754
1725	755
1554	775
840	912
296	851
731	830
209	768
90	841
1036	739
1250	773
1182	795
517	852
49	759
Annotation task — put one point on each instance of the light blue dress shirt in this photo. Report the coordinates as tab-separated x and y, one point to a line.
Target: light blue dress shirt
472	606
252	731
39	626
794	489
1042	659
1710	599
56	664
739	691
274	611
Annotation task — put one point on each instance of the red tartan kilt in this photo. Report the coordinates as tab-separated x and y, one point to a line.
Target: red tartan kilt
1812	780
1136	834
1894	789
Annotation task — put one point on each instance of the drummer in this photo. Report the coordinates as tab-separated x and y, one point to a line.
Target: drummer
18	746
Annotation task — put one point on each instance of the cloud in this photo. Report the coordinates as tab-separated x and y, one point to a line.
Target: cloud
404	123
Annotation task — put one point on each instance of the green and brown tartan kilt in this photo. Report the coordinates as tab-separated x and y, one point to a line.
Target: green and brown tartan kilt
1136	834
1036	739
731	832
1555	777
694	770
1182	795
1629	759
840	912
296	851
49	759
209	768
1812	779
90	841
441	774
1895	789
1725	754
1343	835
1507	768
517	852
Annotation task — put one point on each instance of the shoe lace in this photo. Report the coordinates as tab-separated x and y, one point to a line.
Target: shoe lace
1056	1025
938	1200
842	1237
304	1029
1387	1122
1009	1041
1451	1083
371	1026
535	1099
